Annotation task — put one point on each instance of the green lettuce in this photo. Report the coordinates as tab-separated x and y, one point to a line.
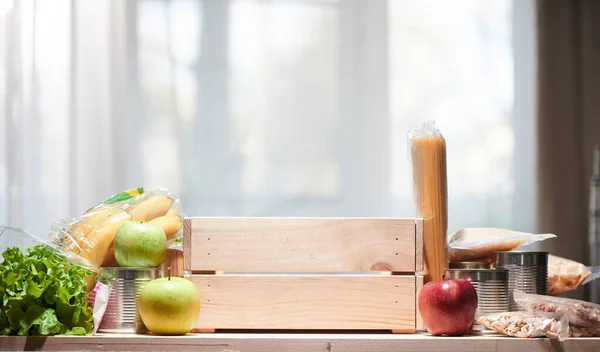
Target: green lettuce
41	293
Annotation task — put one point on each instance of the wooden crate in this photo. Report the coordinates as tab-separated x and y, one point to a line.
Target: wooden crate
302	245
305	273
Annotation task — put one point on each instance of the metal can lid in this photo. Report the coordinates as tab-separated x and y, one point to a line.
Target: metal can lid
478	275
471	265
521	258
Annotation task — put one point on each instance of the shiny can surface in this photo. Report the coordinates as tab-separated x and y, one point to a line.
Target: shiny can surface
122	315
528	273
491	286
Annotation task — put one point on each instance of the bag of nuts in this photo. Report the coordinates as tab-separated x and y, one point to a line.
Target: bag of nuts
528	324
579	313
577	331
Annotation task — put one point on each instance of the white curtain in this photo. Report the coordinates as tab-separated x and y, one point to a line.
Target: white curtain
264	108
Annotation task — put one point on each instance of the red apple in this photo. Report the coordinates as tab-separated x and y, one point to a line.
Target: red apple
448	307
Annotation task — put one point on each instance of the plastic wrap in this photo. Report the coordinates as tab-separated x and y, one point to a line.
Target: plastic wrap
428	155
528	324
97	289
566	275
92	234
579	313
480	244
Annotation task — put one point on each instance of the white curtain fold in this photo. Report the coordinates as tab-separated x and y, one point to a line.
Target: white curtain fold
261	108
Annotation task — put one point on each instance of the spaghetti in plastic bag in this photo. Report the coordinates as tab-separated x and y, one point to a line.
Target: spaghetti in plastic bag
428	155
92	234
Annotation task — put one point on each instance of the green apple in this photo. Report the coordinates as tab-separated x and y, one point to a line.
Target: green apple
169	306
140	245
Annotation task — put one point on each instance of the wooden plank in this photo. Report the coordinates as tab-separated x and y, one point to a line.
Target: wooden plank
419	279
187	248
300	244
361	302
249	342
419	260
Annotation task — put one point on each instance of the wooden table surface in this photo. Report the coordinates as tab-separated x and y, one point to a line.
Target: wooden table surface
293	342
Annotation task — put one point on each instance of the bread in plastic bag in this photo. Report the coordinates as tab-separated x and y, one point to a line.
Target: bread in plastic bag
92	234
579	313
428	155
566	275
98	288
480	243
527	324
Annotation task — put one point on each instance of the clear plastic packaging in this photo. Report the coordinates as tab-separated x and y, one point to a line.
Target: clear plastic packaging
528	324
579	313
566	275
97	288
11	237
428	154
480	244
91	235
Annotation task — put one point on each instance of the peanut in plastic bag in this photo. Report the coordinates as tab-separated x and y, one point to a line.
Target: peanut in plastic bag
91	235
528	324
480	244
566	275
579	313
428	155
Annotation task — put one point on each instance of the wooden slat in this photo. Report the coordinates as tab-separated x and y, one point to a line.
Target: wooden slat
223	342
187	248
361	302
301	244
419	320
419	266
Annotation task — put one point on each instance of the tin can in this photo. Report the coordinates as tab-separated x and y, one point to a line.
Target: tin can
491	286
471	265
122	315
528	272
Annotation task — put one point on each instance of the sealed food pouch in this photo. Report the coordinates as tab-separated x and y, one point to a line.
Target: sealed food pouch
428	154
566	275
528	324
480	244
91	235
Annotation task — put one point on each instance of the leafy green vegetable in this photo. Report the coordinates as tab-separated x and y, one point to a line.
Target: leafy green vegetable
41	293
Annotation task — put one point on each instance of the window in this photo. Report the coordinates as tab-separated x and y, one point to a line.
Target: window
268	108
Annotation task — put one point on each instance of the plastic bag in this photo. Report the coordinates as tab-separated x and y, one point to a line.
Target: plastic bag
91	235
566	275
480	244
579	313
428	154
528	324
97	288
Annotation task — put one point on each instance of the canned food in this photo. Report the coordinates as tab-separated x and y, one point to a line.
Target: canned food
470	265
528	272
491	286
122	315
